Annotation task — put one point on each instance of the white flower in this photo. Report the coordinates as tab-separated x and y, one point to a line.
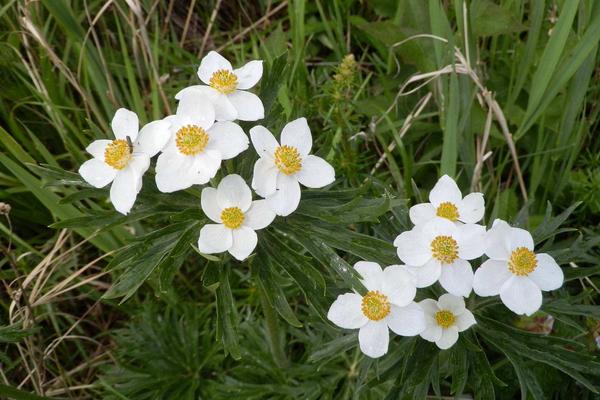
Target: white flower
444	319
280	168
514	271
227	88
439	249
387	304
446	201
124	161
197	145
230	205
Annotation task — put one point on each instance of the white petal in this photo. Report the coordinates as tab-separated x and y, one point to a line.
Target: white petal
520	238
465	320
406	321
457	278
263	141
249	107
205	166
140	163
233	192
198	108
97	148
432	333
97	173
399	285
211	63
521	295
224	110
124	190
153	137
259	215
210	206
286	198
497	242
297	134
445	190
421	213
547	275
315	172
450	302
371	273
249	74
449	337
471	208
228	138
174	172
439	227
214	238
412	248
125	123
429	306
244	243
428	273
471	240
374	338
264	178
490	277
346	311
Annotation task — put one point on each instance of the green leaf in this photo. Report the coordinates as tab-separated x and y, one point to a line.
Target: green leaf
490	19
17	394
14	333
273	292
227	316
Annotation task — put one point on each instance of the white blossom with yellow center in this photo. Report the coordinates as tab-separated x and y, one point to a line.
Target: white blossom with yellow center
444	319
441	250
281	168
227	88
514	271
387	304
446	201
197	145
124	160
237	218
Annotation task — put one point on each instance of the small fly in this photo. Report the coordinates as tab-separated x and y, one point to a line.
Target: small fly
130	144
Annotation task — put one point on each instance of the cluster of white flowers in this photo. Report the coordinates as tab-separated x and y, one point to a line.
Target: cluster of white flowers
445	238
193	143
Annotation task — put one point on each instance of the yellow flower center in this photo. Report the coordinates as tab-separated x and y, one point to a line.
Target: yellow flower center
444	249
445	318
232	217
224	81
447	210
522	261
191	140
117	154
287	159
375	305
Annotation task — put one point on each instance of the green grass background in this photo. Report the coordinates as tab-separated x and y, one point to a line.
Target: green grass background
202	328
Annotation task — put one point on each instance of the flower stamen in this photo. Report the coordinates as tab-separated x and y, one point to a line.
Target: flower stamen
445	318
444	249
117	154
232	217
522	261
191	140
287	159
448	210
224	81
375	305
